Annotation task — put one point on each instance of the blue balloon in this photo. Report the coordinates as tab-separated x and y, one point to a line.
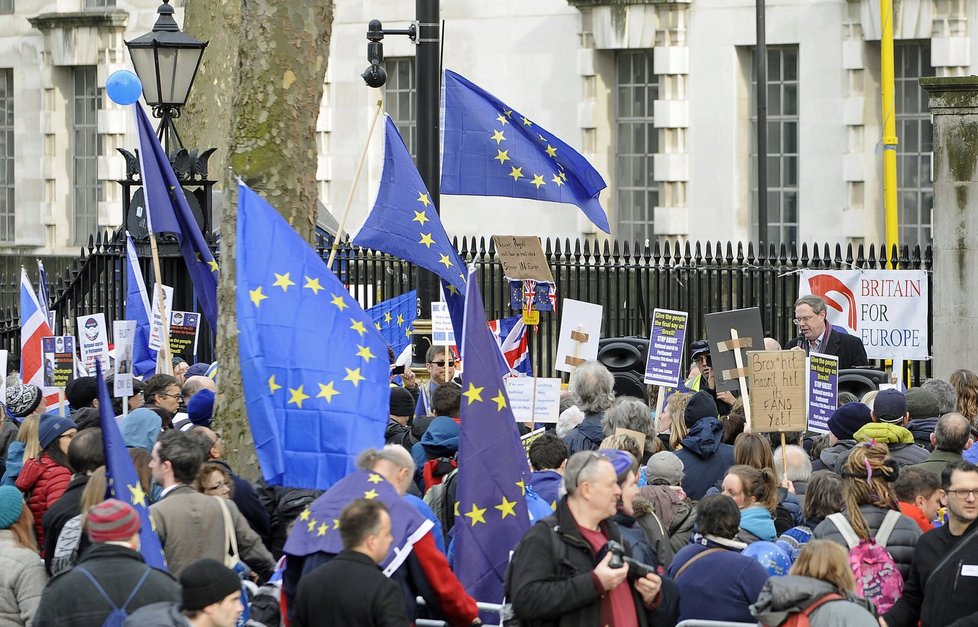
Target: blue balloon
123	87
771	556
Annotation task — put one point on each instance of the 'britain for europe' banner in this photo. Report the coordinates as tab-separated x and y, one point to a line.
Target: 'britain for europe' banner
886	309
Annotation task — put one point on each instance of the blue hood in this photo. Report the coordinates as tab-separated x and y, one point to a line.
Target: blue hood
441	438
757	520
141	428
705	437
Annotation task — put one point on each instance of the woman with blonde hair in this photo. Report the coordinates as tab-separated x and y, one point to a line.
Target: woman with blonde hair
676	410
965	382
23	403
821	586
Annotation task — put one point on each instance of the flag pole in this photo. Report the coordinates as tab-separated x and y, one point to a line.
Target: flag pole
353	187
163	363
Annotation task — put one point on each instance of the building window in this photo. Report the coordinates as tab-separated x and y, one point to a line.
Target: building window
7	155
782	144
401	92
86	101
637	143
6	7
915	132
99	4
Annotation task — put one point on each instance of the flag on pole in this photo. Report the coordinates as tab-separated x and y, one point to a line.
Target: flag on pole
33	326
490	149
492	467
138	309
315	371
167	211
514	348
393	319
43	296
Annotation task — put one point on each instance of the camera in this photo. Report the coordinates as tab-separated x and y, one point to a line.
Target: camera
397	370
375	75
636	569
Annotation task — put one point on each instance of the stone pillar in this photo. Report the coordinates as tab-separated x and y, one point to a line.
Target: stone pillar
954	104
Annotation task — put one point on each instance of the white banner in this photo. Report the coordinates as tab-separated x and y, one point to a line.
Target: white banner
124	333
886	309
156	330
93	341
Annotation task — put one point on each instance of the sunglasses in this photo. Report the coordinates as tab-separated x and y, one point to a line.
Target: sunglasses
441	364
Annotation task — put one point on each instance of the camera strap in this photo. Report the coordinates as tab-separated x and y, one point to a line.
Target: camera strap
690	561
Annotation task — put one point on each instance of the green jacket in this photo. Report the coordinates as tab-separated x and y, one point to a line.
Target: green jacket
884	433
937	461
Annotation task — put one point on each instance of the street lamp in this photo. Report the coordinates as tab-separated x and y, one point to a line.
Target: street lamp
166	61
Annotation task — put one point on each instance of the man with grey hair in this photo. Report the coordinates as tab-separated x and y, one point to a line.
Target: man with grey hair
951	438
947	396
799	469
816	335
561	571
593	387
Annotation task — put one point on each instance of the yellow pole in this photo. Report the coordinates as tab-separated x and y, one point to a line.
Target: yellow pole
889	126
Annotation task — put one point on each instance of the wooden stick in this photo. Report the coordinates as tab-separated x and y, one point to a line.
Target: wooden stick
659	402
163	363
353	188
61	402
739	360
784	457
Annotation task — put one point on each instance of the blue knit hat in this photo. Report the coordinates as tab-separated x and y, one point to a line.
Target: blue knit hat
11	504
848	419
200	409
51	427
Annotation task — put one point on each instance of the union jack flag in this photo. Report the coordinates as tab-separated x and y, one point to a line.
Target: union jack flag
33	326
514	350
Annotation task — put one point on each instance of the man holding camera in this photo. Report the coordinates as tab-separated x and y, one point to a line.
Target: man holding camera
563	573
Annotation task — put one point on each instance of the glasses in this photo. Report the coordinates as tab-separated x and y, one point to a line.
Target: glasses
176	396
805	319
963	494
218	486
441	364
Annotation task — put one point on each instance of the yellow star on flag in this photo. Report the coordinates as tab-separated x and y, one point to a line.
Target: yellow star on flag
304	516
358	327
507	508
313	284
322	529
426	240
387	317
297	396
213	264
508	113
336	523
473	393
537	180
498	136
444	259
502	119
272	386
420	216
400	319
452	289
457	504
377	325
551	151
423	199
370	494
354	376
563	176
556	179
407	333
374	478
527	122
516	173
338	301
476	514
257	296
502	156
327	391
138	496
522	486
364	351
311	525
500	400
283	281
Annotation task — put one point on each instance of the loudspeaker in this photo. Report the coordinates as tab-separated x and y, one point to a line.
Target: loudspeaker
859	381
624	354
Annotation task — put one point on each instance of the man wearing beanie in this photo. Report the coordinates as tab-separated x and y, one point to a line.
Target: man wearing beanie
211	597
112	567
350	589
843	423
890	417
924	409
399	424
704	456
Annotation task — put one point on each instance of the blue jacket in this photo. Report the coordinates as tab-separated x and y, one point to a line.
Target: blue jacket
729	580
705	458
757	521
440	440
546	483
15	461
586	436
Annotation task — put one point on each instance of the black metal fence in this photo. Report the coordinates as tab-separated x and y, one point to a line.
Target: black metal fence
628	280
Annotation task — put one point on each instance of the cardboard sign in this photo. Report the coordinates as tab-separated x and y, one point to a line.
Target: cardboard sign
442	331
777	388
124	334
533	400
93	341
747	322
58	355
183	333
823	390
580	331
156	330
666	340
522	257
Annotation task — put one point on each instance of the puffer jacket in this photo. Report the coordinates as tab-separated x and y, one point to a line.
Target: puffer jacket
783	596
902	542
22	580
898	440
43	481
705	457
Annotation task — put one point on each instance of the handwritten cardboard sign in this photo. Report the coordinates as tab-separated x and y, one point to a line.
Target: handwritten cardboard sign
778	382
522	257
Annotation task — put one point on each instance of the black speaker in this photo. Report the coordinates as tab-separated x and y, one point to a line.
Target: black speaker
859	381
624	354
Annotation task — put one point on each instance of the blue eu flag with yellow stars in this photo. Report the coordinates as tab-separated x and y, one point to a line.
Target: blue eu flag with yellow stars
167	211
121	479
492	469
314	368
403	221
490	149
393	319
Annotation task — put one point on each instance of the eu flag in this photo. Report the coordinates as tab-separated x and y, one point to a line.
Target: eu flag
167	211
121	479
137	309
403	222
314	368
393	319
492	469
490	149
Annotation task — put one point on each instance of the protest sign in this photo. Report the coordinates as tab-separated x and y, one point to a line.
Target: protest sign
183	334
534	399
777	387
124	333
529	438
580	332
58	356
93	341
442	331
750	334
886	309
823	390
156	330
3	379
522	257
666	339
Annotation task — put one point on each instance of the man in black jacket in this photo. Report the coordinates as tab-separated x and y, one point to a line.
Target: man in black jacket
815	335
561	572
943	585
351	589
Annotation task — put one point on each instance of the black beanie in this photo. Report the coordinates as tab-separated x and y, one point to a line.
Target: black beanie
402	403
700	406
206	582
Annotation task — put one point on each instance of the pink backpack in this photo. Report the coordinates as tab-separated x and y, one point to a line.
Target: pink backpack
877	577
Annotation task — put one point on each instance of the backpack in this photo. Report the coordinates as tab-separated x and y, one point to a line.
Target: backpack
441	499
803	618
118	615
877	577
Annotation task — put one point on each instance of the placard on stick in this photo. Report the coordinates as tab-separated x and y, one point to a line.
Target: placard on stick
823	390
662	366
522	258
747	323
777	388
580	331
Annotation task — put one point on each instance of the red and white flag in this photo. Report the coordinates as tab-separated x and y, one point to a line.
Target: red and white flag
33	326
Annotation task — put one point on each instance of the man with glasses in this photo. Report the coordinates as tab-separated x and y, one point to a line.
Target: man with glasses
163	396
815	335
943	585
441	369
561	571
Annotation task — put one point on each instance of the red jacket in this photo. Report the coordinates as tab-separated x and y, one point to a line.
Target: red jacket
43	481
911	510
